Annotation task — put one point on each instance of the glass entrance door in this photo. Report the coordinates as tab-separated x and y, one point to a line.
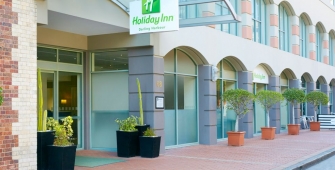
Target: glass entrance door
69	100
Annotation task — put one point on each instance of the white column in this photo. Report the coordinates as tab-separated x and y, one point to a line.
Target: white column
312	42
274	23
246	16
325	48
295	44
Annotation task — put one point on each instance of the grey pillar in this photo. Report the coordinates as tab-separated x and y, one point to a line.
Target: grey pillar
247	122
150	71
294	83
333	94
274	85
310	107
325	108
207	106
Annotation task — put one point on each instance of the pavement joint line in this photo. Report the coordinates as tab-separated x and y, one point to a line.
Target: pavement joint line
309	160
221	160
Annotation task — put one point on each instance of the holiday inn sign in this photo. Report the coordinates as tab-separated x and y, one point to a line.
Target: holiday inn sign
148	16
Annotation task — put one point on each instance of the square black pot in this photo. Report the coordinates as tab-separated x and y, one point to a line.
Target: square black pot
127	143
43	140
61	157
150	146
140	129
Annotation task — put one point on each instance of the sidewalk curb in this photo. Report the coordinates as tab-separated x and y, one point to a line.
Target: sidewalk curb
312	160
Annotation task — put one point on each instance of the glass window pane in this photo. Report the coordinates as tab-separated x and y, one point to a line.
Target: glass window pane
283	112
69	57
169	111
109	101
48	92
169	62
259	111
185	64
187	110
110	60
219	109
228	72
228	115
46	54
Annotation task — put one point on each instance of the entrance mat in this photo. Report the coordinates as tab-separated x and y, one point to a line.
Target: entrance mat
95	161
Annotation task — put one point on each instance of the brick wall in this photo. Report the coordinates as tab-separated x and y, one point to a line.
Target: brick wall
18	79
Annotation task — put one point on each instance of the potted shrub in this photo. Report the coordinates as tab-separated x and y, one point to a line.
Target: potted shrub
237	100
268	99
141	127
62	154
295	97
316	98
44	137
127	137
149	144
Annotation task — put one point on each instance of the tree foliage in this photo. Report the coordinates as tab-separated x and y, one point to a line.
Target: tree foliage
238	100
316	98
294	96
268	98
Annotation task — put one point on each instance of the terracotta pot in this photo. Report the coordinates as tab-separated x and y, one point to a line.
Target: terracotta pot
314	126
268	133
293	129
235	138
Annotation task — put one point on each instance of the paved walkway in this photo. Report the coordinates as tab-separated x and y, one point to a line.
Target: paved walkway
282	152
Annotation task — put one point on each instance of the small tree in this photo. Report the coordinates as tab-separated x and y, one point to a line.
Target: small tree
267	99
238	100
294	96
316	98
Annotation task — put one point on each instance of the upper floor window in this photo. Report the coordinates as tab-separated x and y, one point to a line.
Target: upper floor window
331	50
221	9
303	38
283	29
318	44
259	18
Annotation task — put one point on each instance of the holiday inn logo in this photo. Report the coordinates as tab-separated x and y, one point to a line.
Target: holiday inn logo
151	6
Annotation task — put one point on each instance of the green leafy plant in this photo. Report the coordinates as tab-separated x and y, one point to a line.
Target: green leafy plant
149	132
140	119
316	98
268	99
294	96
239	101
64	132
127	124
42	116
51	123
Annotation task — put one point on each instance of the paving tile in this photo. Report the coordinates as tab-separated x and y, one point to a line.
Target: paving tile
285	150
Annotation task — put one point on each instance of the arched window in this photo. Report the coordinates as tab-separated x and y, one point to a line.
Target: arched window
226	80
331	50
259	18
180	93
283	29
303	38
318	44
221	9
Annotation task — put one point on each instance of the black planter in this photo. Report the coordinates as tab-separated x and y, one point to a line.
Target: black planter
140	129
149	146
43	140
127	143
61	157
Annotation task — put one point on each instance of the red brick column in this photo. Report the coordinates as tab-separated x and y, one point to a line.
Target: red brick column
7	67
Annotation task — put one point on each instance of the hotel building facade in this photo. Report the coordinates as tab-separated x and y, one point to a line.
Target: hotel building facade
90	62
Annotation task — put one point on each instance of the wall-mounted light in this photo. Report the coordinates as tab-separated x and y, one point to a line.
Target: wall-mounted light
63	101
